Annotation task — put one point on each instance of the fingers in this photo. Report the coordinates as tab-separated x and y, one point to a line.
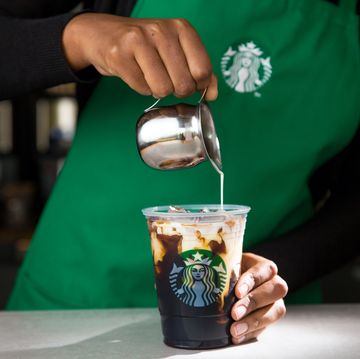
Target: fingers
212	91
154	71
253	324
184	57
247	337
176	65
259	270
260	290
134	77
264	295
195	53
157	56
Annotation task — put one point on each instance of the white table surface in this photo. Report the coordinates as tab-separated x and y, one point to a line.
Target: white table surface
323	331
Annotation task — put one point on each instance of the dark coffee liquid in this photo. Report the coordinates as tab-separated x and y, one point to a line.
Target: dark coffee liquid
195	295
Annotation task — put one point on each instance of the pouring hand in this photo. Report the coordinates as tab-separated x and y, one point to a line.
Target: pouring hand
153	56
260	291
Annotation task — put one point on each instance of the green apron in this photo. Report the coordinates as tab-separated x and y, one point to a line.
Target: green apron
288	101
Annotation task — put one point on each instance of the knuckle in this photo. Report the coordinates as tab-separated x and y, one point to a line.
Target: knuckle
182	23
184	89
273	268
112	56
255	323
162	91
114	50
134	35
281	310
154	28
252	303
252	280
280	286
202	74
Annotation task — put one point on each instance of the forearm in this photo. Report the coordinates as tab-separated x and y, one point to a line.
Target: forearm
32	55
34	9
321	245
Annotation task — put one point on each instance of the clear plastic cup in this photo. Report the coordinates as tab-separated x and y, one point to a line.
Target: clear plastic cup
197	260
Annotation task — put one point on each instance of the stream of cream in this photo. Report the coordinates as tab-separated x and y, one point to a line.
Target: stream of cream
221	173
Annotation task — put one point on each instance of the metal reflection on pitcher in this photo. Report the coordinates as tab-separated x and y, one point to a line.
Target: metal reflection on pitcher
177	136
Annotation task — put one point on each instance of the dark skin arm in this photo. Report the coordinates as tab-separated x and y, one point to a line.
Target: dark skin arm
155	57
331	238
324	243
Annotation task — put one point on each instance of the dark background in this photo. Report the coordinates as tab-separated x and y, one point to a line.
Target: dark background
35	135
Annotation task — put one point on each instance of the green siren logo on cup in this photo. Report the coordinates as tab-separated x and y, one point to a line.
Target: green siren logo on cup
198	278
244	67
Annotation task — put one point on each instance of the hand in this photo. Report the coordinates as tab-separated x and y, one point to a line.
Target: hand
260	291
153	56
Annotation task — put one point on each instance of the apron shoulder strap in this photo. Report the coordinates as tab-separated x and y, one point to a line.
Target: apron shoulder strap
349	5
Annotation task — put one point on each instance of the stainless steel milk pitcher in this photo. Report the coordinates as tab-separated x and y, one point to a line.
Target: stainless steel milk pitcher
178	136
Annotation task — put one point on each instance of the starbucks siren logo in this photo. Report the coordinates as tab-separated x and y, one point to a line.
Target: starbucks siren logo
244	69
198	278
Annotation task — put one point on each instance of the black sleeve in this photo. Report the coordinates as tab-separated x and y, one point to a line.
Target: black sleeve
332	237
31	53
36	8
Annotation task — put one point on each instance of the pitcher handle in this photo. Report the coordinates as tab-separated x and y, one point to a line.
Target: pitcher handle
158	100
203	95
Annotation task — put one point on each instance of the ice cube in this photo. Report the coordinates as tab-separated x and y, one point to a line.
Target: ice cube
205	210
174	209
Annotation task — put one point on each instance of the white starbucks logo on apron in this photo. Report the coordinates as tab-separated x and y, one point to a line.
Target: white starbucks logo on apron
198	278
244	67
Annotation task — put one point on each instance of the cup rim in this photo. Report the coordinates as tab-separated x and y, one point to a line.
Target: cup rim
161	211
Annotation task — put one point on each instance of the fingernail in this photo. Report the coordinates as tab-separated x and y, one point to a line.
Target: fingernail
241	328
243	290
240	312
241	339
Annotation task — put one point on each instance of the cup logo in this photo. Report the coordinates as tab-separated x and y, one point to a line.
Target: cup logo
244	67
198	278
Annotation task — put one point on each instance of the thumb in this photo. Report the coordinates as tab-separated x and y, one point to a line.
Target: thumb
212	90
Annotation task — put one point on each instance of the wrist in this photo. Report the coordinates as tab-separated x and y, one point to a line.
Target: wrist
72	41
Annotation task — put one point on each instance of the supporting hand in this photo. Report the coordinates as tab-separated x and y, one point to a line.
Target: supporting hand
260	291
